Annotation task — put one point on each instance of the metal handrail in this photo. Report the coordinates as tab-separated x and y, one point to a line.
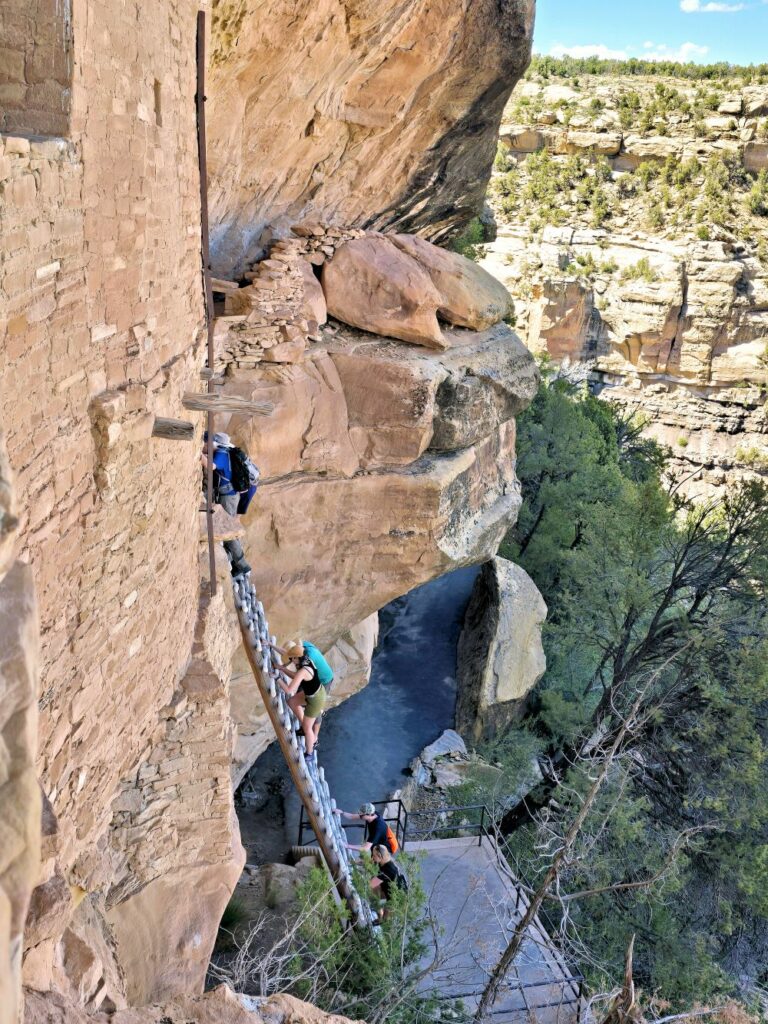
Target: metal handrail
404	831
399	822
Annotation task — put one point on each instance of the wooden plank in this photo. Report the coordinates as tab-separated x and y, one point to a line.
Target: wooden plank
173	430
225	403
212	376
220	285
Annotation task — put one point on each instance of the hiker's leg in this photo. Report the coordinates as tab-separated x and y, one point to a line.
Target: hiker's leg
307	725
296	704
237	557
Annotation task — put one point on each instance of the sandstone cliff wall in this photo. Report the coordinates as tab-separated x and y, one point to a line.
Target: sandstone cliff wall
651	268
367	112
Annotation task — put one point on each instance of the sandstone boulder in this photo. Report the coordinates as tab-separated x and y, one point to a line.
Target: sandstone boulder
219	1006
756	156
314	308
392	531
469	296
402	401
500	654
636	149
731	105
756	102
602	143
522	140
371	284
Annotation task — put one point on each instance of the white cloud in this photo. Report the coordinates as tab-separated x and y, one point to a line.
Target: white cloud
709	7
651	51
592	50
682	54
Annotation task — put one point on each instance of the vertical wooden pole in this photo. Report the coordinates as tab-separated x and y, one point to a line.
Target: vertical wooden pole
205	252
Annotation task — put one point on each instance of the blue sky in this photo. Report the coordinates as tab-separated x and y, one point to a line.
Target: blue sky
704	31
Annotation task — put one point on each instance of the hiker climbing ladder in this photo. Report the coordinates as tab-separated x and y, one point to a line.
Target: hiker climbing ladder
308	778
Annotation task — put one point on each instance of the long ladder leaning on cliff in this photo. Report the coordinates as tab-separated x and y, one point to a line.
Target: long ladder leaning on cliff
308	778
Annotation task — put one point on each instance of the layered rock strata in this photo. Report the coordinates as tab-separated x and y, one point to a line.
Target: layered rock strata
682	341
500	655
370	114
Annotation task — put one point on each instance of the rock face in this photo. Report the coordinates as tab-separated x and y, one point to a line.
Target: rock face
469	296
500	654
426	484
376	114
663	296
371	284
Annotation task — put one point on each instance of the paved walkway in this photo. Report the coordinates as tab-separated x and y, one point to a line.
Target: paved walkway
473	897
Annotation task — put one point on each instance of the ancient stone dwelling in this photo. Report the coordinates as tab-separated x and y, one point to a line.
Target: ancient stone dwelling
123	697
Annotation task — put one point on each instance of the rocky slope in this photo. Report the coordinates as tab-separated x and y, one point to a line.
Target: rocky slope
633	233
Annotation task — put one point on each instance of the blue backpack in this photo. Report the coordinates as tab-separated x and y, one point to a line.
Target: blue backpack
323	669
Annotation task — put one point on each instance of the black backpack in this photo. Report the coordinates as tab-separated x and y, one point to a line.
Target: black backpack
238	463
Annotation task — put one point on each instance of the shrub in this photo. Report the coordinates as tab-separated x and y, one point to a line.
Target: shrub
757	198
501	160
754	457
642	270
702	232
468	243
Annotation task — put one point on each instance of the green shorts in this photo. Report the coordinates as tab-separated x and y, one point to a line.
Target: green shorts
314	705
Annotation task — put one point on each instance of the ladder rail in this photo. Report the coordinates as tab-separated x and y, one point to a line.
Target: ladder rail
308	779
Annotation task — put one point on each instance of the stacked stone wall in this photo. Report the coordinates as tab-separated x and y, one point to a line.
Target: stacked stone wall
101	330
35	66
270	319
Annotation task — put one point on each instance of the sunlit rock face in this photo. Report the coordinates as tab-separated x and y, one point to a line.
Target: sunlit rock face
500	654
368	112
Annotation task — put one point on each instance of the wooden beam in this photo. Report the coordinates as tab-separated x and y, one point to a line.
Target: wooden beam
220	285
225	403
173	430
215	378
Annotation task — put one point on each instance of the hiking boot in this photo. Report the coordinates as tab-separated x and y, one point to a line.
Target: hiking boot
240	567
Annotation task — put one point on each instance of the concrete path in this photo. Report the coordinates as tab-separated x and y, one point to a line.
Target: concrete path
473	897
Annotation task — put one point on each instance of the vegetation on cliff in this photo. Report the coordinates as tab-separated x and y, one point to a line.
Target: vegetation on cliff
569	67
646	590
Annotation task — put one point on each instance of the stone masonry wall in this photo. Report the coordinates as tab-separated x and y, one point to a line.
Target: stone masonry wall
35	66
101	330
270	319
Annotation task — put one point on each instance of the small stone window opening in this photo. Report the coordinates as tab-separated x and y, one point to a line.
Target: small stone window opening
158	104
35	67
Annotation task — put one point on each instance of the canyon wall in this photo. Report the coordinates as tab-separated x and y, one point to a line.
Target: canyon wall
384	465
364	112
652	268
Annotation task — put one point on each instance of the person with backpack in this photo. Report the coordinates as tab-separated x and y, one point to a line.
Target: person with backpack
310	676
235	479
377	831
389	874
